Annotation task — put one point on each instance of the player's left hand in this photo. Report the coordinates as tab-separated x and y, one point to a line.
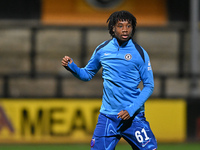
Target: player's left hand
124	115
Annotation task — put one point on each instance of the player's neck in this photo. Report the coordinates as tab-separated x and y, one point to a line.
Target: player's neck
120	42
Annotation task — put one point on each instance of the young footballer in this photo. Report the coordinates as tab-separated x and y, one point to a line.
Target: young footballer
125	64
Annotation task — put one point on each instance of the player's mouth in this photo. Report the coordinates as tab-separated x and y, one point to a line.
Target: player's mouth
125	36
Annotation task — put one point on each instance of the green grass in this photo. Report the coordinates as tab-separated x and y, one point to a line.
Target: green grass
174	146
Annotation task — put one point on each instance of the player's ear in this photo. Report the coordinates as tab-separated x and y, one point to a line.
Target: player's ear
113	28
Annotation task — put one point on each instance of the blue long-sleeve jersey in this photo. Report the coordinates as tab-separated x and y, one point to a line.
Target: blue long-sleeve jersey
124	67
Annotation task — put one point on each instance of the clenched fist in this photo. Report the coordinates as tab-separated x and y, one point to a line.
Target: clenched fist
66	60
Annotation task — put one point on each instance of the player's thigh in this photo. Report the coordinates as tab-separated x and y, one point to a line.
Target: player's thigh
102	139
104	143
141	136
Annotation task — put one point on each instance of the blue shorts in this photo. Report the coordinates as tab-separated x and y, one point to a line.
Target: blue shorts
136	131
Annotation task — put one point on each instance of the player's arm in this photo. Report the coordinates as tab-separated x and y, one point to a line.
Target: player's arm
148	86
85	73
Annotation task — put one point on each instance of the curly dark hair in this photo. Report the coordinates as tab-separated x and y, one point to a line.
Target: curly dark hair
120	15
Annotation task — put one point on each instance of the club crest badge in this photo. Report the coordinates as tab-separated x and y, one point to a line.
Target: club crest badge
128	56
92	143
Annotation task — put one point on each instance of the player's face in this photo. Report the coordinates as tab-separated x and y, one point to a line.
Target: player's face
123	30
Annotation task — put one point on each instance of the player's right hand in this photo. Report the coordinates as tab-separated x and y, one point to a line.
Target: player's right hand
66	60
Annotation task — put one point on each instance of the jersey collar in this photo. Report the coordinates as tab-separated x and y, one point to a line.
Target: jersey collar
123	45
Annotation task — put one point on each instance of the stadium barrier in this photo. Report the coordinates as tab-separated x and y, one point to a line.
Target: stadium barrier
74	120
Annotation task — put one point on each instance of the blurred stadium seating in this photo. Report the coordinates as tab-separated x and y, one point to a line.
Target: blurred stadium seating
30	51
